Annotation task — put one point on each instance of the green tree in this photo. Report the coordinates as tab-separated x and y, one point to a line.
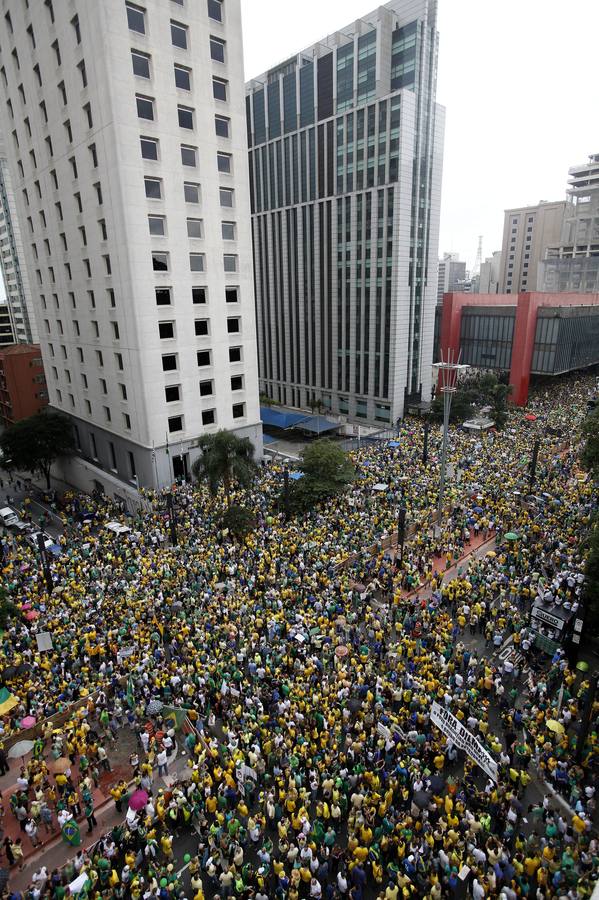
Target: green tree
590	451
226	459
35	443
327	471
8	609
472	395
240	521
591	583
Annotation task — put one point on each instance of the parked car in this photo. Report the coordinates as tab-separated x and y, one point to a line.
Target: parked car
33	540
8	516
117	528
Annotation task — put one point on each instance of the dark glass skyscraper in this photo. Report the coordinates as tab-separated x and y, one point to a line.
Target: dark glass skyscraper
346	146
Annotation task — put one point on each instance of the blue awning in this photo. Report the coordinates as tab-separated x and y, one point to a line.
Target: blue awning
267	439
296	475
317	424
277	418
394	443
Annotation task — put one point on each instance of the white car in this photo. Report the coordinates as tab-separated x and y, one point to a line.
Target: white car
117	528
8	516
33	540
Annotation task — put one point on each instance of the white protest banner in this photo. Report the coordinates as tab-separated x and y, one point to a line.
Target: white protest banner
44	640
462	738
383	730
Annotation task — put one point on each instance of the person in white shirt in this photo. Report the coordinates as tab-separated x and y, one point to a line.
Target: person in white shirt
162	762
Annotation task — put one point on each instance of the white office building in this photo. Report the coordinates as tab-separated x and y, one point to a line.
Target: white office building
12	263
125	130
346	148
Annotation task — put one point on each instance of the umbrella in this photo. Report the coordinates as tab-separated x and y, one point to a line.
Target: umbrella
154	707
555	726
21	748
492	554
357	586
341	650
31	615
28	721
530	418
421	799
60	765
9	673
582	666
436	782
511	536
23	669
138	800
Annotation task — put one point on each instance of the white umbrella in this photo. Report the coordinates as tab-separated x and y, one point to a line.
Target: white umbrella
21	748
78	885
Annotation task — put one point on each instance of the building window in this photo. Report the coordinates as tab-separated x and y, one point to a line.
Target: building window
185	115
222	126
238	410
169	362
127	423
183	78
234	325
219	88
217	49
145	107
156	225
115	331
204	358
149	148
76	29
107	413
199	295
234	354
227	196
223	163
136	18
194	228
175	423
232	295
118	358
206	388
191	192
179	35
215	10
230	262
163	296
172	393
141	64
197	262
236	382
160	262
228	231
153	188
123	391
112	456
202	327
166	330
189	156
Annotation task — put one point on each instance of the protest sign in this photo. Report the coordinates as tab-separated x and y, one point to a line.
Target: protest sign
462	738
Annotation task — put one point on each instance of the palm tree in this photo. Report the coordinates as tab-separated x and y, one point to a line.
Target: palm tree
225	459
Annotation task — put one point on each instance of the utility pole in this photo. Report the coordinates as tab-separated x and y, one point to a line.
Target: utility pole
172	518
425	448
586	718
41	543
286	492
449	371
401	531
533	463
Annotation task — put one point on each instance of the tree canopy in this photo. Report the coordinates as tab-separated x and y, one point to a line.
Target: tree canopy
590	452
226	460
33	444
327	471
474	394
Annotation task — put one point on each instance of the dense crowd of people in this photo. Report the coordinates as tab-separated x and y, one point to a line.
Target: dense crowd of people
307	659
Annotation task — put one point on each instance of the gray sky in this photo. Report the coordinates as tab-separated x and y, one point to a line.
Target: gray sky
518	79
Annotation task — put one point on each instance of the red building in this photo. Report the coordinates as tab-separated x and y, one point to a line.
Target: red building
525	334
23	389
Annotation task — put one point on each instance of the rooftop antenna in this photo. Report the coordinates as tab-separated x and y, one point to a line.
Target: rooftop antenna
479	256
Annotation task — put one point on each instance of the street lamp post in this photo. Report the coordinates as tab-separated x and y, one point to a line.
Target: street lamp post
286	492
449	371
533	463
425	448
401	531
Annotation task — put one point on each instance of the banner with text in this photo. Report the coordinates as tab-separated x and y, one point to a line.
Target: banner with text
462	738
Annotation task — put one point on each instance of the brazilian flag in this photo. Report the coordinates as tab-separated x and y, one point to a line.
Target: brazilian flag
70	833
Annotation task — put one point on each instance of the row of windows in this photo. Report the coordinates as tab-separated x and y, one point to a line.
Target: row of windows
150	150
177	423
157	226
199	295
136	20
185	115
167	330
197	262
191	192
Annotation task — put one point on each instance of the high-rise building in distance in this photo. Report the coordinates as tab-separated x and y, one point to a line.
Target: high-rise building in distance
346	148
452	275
572	262
527	232
126	136
12	261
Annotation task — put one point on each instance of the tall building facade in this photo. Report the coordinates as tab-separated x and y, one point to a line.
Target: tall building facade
345	173
490	270
126	137
452	275
572	264
527	232
12	262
